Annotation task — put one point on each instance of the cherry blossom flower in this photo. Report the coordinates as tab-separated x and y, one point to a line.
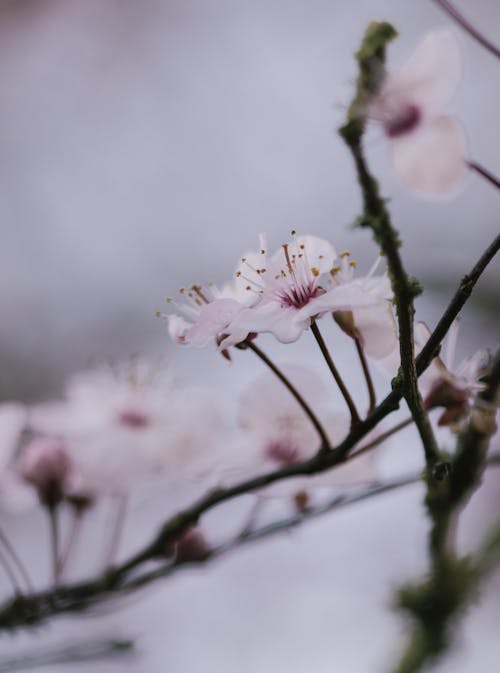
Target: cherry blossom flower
206	310
124	426
428	148
46	465
278	432
291	291
444	384
373	325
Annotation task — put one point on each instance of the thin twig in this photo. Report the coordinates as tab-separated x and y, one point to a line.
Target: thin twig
16	559
338	379
74	533
116	531
372	399
52	511
381	438
467	26
4	562
485	173
325	442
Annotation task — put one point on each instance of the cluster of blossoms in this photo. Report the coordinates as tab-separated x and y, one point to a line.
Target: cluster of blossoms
283	294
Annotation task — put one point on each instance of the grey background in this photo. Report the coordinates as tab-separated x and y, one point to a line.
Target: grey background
143	146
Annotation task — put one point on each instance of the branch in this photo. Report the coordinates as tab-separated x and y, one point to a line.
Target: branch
467	26
371	58
176	525
436	603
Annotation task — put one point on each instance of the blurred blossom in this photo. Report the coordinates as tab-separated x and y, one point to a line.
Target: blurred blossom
428	148
444	384
125	426
14	493
278	433
46	465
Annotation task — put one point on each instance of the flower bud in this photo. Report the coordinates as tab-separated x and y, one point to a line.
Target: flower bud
45	465
190	546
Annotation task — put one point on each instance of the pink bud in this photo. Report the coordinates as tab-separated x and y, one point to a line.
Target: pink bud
45	465
190	546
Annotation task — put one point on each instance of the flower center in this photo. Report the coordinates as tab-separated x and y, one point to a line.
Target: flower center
133	418
404	120
282	453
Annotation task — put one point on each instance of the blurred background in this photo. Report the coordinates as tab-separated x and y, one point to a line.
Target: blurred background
143	146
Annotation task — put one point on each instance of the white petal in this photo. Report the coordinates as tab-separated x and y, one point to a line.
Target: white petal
177	328
285	323
343	297
432	73
432	158
377	329
213	318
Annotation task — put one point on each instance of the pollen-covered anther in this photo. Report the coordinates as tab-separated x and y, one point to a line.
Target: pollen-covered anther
346	253
315	271
353	264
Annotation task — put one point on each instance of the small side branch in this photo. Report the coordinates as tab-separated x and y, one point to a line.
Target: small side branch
460	19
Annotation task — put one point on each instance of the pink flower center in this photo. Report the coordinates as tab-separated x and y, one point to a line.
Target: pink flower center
282	453
405	120
133	418
297	296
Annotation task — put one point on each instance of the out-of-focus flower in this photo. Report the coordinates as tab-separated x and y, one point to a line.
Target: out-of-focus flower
15	494
125	426
374	325
46	465
289	285
279	433
428	148
444	384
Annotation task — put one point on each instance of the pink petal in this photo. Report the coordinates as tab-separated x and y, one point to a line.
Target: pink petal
284	323
432	73
377	329
213	318
432	158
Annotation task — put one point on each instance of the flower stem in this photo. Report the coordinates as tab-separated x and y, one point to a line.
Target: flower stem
338	379
483	172
467	26
117	531
54	540
71	541
325	442
368	378
381	438
9	572
17	560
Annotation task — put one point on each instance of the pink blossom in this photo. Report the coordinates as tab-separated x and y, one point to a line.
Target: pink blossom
127	425
428	148
278	433
46	465
291	289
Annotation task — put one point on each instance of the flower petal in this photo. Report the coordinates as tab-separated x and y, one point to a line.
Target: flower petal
432	158
432	73
377	330
213	318
285	323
